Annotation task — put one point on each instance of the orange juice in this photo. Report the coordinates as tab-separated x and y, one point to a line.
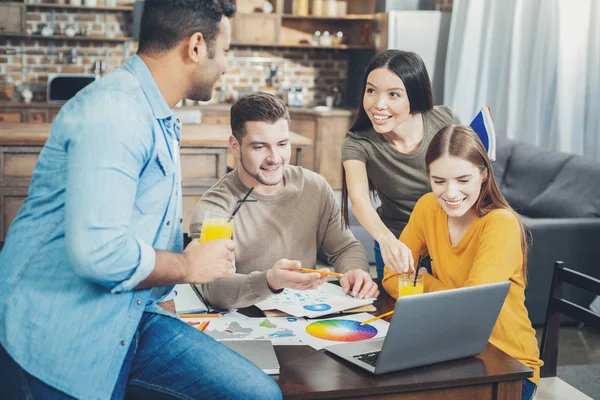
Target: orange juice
216	228
407	287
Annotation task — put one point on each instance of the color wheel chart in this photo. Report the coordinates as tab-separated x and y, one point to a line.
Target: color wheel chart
340	330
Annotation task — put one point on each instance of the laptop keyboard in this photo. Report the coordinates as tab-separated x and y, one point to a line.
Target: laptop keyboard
369	358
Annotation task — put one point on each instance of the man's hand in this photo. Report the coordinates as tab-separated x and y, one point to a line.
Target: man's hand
360	283
209	261
285	274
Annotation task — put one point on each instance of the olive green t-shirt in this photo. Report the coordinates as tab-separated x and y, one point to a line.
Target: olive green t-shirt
398	178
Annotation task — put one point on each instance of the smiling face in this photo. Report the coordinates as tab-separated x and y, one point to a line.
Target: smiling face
385	100
264	154
211	63
456	184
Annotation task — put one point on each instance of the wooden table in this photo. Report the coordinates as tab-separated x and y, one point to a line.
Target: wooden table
207	136
310	374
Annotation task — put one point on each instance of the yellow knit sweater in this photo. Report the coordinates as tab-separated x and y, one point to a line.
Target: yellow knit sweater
490	251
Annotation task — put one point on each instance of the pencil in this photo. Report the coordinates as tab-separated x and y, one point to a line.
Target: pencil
199	315
201	326
318	271
205	326
378	317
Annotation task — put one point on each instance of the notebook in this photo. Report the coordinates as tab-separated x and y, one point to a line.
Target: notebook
260	352
187	301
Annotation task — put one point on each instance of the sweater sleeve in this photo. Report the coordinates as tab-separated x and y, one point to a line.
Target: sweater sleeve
499	253
339	244
237	291
413	236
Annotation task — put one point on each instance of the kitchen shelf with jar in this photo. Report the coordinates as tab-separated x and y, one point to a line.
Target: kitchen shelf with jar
336	24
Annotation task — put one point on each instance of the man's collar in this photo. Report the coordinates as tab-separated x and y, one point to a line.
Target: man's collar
140	70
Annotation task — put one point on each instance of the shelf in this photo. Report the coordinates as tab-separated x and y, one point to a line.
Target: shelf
72	7
118	39
348	17
307	46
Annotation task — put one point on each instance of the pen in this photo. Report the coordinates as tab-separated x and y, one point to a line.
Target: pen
199	315
318	271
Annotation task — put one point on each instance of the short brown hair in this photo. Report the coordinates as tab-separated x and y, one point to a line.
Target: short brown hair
263	107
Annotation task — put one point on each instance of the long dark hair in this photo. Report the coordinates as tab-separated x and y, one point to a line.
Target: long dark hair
461	142
410	68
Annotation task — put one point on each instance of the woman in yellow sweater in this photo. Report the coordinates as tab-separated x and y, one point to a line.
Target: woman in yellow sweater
473	237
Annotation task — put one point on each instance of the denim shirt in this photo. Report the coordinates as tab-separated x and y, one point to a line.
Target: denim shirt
105	192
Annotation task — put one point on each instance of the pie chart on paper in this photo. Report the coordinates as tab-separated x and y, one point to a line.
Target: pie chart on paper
341	330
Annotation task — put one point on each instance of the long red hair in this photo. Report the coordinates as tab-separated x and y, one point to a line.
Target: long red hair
462	142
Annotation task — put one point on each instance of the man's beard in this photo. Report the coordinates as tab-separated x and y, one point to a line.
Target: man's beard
257	175
201	92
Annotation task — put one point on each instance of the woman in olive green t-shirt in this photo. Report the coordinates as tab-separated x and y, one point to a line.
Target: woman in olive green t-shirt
384	151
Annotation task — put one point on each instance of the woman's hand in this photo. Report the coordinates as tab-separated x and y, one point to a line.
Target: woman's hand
397	257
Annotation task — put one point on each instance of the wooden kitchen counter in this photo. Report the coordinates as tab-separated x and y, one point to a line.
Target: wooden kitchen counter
191	135
204	161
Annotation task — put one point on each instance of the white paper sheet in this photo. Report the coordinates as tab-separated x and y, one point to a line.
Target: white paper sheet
279	330
330	331
324	300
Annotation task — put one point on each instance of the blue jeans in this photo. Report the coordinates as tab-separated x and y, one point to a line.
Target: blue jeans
167	359
378	260
529	389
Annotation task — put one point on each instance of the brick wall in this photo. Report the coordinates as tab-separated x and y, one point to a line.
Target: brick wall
28	63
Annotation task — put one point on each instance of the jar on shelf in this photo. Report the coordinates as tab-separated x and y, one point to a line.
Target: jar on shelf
325	39
338	38
316	38
318	8
331	8
302	7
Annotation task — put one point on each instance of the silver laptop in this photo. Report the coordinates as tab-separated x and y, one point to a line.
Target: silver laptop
431	328
260	352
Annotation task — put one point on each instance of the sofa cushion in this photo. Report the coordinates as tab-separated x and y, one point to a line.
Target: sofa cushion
574	192
528	172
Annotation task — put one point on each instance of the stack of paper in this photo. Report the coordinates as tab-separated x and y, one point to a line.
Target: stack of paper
324	300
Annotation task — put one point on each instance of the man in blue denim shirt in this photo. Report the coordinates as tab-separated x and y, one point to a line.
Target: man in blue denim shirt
98	243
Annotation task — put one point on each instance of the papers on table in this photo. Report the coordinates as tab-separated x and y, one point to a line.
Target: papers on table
324	300
235	326
294	331
327	332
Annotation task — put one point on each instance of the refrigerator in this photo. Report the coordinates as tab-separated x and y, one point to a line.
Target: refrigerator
421	31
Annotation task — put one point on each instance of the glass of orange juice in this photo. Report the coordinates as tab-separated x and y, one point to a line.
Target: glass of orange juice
215	225
407	286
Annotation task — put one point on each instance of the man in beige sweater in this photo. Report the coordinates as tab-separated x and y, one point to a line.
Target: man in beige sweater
295	213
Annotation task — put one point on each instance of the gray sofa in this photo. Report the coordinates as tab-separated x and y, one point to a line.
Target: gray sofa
558	198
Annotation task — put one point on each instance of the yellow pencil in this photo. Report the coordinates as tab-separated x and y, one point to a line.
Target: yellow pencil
199	315
318	271
205	326
378	317
202	325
